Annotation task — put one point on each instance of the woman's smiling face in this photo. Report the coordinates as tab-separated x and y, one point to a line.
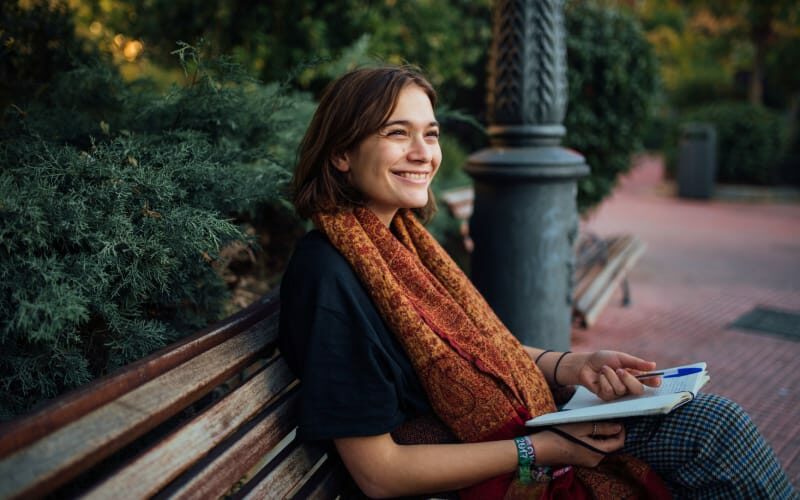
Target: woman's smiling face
394	167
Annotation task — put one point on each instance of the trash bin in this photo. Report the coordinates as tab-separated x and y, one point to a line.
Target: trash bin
697	160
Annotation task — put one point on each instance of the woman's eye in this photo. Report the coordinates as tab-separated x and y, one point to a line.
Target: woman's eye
433	133
396	132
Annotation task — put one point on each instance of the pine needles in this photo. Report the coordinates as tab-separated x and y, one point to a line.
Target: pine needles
115	202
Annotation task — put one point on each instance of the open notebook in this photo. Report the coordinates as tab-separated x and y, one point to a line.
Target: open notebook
679	384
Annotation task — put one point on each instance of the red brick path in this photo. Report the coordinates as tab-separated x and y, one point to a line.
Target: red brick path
706	264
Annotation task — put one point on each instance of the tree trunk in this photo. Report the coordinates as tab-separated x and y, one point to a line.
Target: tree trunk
755	93
794	116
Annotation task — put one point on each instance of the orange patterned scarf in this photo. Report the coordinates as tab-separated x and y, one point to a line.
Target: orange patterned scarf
479	380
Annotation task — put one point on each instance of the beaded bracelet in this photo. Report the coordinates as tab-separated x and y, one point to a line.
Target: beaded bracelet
542	474
545	474
525	457
555	370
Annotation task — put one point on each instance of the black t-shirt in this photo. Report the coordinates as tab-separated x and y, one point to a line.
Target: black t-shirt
356	379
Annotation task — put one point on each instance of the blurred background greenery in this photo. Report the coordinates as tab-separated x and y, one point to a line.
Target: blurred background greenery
729	61
146	145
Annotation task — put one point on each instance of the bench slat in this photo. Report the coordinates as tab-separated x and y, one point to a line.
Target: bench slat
49	463
289	472
68	408
619	252
156	468
215	478
636	251
590	249
324	483
601	261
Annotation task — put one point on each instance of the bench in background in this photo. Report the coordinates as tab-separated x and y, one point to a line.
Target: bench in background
601	264
212	415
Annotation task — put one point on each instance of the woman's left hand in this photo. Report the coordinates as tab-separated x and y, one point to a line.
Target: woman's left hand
612	374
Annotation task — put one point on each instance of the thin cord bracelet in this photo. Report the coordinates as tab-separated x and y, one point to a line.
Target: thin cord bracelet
536	361
581	442
555	370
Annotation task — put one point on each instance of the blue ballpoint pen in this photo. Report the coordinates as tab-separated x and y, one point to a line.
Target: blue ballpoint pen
680	372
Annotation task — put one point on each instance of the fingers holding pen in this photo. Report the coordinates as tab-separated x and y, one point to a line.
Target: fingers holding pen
612	384
605	390
654	381
634	384
609	386
613	377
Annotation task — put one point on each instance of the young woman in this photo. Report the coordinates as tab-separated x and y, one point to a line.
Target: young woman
411	375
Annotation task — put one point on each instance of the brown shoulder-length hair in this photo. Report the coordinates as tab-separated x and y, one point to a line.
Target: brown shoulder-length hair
351	108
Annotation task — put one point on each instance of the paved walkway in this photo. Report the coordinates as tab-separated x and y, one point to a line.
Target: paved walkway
706	264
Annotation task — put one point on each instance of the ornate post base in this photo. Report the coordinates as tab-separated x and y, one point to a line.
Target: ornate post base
524	225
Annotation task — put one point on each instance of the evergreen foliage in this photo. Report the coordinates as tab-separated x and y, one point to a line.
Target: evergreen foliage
43	28
449	40
115	203
612	82
750	140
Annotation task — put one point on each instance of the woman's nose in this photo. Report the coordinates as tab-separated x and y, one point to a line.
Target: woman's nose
419	150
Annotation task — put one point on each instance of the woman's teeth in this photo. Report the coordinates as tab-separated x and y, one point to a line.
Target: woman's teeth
413	175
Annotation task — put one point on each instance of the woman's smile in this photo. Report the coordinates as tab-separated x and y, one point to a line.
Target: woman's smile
414	177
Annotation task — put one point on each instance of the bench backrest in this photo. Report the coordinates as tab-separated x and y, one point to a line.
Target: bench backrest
211	415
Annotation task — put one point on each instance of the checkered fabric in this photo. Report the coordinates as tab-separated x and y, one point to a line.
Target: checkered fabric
708	448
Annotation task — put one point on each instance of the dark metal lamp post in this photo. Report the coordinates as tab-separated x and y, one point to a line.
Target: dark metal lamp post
525	218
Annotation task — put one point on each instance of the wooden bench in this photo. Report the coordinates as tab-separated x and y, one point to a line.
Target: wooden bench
601	264
210	416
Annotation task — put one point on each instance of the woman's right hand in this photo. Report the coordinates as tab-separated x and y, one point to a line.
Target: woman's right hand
552	449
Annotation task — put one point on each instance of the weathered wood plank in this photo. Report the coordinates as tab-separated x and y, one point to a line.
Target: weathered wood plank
589	275
19	433
235	462
156	468
617	253
590	249
591	314
283	478
324	481
46	464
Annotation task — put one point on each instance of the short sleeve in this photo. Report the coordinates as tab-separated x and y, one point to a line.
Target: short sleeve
348	387
356	380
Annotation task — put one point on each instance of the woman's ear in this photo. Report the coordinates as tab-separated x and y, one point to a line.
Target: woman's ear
341	162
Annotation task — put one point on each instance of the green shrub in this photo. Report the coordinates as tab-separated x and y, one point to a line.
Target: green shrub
699	87
42	28
115	205
750	140
444	227
449	40
451	172
612	82
657	132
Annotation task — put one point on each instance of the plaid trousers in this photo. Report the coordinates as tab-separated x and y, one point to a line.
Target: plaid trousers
708	448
